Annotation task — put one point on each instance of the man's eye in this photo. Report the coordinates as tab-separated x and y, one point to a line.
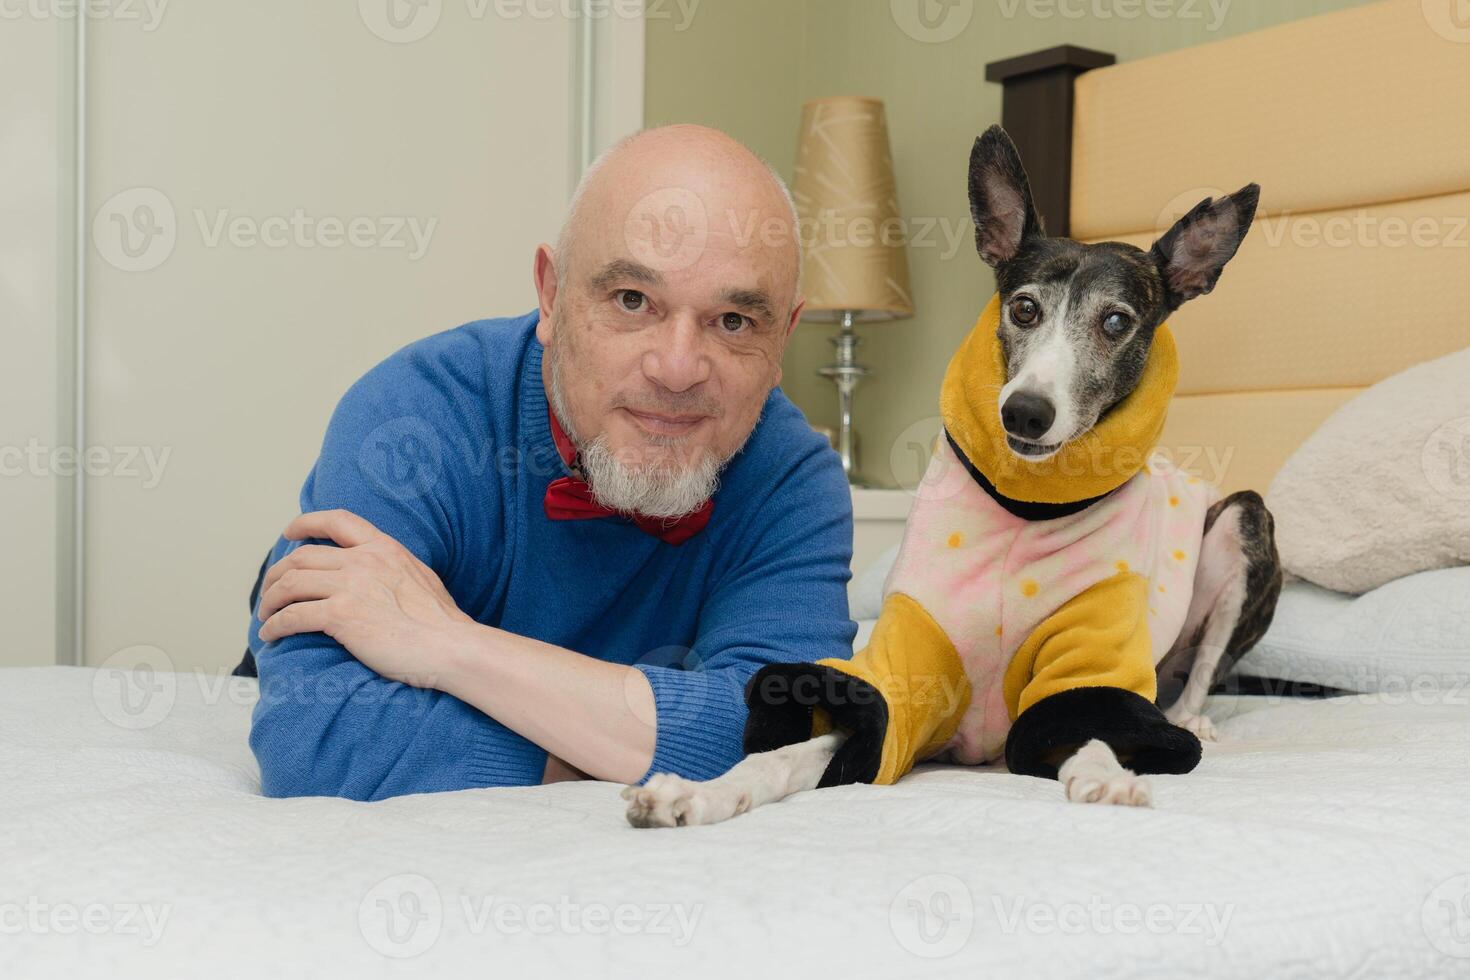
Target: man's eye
734	322
632	300
1024	311
1116	324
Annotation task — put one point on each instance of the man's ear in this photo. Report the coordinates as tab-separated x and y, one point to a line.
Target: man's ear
544	273
1000	199
1192	254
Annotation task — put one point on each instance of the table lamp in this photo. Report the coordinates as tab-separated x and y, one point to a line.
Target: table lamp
856	264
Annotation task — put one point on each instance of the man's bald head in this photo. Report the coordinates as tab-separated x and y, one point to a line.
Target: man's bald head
670	172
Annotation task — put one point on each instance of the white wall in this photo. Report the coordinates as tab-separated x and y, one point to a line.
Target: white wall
34	131
230	149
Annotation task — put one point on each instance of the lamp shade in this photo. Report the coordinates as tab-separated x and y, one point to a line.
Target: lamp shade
853	234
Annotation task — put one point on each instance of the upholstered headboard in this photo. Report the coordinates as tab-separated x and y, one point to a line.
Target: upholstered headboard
1357	126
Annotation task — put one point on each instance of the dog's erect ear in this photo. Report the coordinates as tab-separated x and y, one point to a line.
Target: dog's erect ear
1192	254
1000	199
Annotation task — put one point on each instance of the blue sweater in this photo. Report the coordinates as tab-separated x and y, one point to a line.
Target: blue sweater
446	447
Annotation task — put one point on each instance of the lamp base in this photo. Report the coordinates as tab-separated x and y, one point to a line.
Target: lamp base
845	374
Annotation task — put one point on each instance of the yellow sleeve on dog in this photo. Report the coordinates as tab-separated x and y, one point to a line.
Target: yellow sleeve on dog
1098	639
913	664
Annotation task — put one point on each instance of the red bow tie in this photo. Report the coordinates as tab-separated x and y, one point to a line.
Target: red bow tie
570	499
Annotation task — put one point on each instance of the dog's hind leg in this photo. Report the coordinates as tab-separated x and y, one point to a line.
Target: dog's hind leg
1236	587
666	800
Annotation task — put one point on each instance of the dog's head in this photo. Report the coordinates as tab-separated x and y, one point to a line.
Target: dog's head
1077	321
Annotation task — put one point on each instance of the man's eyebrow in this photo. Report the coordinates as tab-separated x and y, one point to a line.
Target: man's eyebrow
751	300
625	270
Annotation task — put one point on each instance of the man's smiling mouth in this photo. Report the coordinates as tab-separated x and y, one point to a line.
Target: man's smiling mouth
665	425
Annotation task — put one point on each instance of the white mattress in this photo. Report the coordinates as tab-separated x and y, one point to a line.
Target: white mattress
1319	839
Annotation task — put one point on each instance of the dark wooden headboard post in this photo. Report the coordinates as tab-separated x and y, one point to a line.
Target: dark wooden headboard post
1036	109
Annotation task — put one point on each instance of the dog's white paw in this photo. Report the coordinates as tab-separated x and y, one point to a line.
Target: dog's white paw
1093	775
666	800
1126	789
1203	728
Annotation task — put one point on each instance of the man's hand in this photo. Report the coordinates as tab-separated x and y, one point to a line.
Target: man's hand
371	594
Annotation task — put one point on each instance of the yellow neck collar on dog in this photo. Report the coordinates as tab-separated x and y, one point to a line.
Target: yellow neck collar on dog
1096	463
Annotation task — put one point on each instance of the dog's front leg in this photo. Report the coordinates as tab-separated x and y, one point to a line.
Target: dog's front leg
1094	775
666	800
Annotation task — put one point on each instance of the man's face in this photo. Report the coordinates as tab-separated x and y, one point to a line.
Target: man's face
667	332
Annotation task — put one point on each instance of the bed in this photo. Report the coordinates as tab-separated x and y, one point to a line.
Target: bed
1319	837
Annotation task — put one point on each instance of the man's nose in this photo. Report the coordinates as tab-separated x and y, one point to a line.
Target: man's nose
678	360
1027	415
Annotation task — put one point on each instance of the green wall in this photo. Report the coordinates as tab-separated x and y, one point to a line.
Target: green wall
746	66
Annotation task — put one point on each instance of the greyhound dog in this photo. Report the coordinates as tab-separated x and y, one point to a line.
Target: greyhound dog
1064	598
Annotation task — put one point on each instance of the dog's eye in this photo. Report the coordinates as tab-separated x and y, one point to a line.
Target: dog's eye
1116	324
1024	311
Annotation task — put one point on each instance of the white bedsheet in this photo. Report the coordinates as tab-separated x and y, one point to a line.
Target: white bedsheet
1318	839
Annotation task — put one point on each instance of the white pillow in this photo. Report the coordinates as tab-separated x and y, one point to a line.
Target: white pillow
865	598
1382	489
1412	634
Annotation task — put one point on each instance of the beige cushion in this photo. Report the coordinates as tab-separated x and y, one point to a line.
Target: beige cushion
1382	489
1355	107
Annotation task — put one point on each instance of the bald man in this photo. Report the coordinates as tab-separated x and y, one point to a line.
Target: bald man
557	546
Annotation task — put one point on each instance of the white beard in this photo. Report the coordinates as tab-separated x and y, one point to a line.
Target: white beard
662	489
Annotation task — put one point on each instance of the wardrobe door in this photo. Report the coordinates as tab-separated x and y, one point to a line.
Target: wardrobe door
283	194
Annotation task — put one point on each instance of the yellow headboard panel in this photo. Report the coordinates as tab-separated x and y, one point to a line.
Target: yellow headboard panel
1357	126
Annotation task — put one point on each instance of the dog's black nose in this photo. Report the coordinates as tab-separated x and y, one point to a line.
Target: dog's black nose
1026	415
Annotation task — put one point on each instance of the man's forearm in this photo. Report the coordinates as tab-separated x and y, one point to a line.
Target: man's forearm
598	717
